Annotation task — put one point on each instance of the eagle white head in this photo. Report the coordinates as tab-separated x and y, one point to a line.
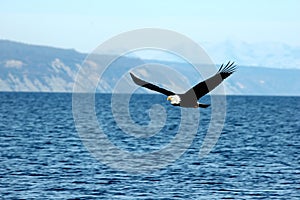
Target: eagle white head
174	99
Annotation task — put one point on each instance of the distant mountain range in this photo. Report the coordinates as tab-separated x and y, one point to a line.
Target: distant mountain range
263	54
34	68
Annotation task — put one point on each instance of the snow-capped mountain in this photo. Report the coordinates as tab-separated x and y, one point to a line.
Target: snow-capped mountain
264	54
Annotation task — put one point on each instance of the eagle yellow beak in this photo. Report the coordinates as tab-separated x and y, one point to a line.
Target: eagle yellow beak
169	98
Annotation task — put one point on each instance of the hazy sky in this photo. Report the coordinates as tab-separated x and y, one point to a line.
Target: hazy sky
85	24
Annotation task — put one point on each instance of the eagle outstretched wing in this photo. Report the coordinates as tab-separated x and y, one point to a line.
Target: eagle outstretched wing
208	85
150	86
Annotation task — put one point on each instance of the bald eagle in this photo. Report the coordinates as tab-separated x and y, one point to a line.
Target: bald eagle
190	98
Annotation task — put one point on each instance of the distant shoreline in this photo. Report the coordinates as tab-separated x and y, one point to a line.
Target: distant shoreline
101	93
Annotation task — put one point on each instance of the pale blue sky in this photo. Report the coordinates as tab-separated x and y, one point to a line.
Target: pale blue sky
83	25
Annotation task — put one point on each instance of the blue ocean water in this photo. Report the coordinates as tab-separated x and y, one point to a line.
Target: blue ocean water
256	157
